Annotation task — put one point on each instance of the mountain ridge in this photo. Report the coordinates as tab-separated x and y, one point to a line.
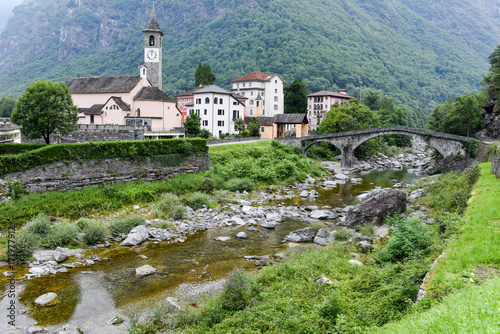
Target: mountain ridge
420	53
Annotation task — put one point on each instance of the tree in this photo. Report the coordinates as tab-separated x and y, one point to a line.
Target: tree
7	105
348	117
203	75
239	125
492	80
45	108
254	127
192	124
296	98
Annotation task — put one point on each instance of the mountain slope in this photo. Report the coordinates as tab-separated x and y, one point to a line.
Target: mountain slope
422	51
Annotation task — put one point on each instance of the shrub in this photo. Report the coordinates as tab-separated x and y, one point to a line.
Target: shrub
197	200
125	224
407	238
39	226
329	309
204	133
237	184
343	234
94	234
169	205
24	246
16	190
208	185
61	235
82	223
238	291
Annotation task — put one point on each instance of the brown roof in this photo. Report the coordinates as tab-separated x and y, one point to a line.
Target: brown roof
152	94
122	84
291	119
255	76
328	93
264	121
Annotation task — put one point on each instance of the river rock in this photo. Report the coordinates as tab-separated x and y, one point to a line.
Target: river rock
267	224
237	220
242	235
304	193
356	180
303	235
273	217
322	214
138	235
43	255
145	270
46	299
340	176
116	321
365	246
35	329
172	304
356	262
416	194
323	237
70	329
378	205
330	183
323	279
222	238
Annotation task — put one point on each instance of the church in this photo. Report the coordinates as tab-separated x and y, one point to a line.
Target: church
136	100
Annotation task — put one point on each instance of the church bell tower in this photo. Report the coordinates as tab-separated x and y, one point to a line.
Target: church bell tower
152	51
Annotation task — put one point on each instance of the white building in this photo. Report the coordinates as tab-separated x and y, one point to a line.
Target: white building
217	108
263	91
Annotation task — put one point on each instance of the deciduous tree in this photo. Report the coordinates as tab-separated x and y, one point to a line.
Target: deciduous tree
44	109
7	105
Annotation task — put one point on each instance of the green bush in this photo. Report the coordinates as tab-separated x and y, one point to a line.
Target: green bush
471	147
208	185
407	238
196	200
16	190
39	226
25	244
239	291
237	184
12	148
169	205
126	224
82	223
343	234
61	235
94	234
330	308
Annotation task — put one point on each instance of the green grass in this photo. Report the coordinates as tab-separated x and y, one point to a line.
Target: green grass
475	309
478	242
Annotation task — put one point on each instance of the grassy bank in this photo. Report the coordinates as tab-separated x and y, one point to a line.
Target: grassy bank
287	298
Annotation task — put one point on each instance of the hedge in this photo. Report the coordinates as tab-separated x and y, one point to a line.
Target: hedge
11	148
98	150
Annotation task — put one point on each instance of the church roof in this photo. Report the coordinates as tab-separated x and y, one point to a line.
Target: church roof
96	109
153	25
120	103
93	85
255	76
152	94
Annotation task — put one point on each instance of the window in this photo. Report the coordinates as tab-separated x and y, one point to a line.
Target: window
91	119
235	103
242	93
275	81
249	84
243	84
257	103
151	40
220	112
250	102
207	100
262	129
275	99
205	123
198	101
251	111
220	123
138	112
236	114
198	112
238	85
215	100
205	112
276	90
220	100
251	93
275	107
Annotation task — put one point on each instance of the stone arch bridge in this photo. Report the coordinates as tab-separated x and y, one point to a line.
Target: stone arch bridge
447	145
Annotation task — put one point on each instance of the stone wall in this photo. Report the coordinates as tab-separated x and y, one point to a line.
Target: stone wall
231	140
64	176
495	166
95	132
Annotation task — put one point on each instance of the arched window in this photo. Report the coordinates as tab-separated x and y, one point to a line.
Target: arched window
151	40
215	100
207	100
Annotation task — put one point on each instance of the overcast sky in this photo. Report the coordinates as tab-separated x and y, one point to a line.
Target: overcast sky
6	7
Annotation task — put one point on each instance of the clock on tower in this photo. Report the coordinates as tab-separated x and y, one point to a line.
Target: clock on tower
151	55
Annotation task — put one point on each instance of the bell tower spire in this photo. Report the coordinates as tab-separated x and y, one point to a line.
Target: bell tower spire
153	50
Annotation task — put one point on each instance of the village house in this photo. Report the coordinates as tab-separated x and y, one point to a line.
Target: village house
320	102
218	109
130	100
263	91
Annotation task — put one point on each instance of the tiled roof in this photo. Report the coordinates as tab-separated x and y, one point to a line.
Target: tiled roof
328	93
291	119
96	109
212	89
264	121
152	94
122	84
254	76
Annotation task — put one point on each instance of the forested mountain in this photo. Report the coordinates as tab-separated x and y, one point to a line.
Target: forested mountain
419	51
6	7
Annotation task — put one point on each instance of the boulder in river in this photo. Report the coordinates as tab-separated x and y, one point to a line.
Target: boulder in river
323	237
303	235
379	204
46	299
70	329
138	235
145	270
